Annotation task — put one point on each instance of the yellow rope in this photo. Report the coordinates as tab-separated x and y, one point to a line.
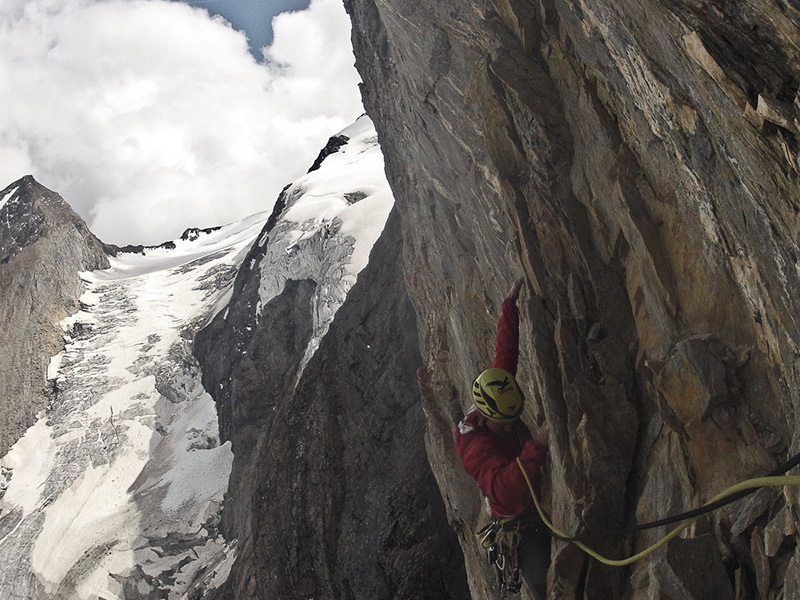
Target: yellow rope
758	482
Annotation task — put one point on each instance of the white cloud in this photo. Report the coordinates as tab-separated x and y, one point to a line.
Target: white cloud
150	116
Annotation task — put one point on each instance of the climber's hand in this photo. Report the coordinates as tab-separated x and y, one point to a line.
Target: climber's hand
513	293
543	435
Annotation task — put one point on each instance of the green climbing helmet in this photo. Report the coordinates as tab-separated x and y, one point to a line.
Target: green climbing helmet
497	396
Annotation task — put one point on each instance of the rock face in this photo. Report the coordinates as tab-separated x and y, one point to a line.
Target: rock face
638	163
331	494
43	247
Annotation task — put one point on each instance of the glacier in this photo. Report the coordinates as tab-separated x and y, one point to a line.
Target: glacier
121	481
117	489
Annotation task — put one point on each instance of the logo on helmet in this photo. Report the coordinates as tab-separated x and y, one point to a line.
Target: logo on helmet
497	396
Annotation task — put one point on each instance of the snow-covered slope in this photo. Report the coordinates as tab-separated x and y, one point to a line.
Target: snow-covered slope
331	220
125	472
116	491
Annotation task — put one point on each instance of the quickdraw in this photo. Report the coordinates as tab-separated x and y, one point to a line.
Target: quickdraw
500	539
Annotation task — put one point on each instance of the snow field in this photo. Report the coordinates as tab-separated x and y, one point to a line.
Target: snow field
333	218
128	457
7	196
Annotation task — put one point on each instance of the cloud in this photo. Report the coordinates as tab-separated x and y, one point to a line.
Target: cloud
150	116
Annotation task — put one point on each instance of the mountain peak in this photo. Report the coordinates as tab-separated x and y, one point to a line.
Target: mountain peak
28	212
27	188
43	247
29	181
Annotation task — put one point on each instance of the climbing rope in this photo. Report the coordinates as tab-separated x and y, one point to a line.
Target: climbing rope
706	508
733	491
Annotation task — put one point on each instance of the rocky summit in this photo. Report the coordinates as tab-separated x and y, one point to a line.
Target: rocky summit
637	163
43	247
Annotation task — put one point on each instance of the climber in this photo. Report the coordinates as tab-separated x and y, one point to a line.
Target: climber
489	439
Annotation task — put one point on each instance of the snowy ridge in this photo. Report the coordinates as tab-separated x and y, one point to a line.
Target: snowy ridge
332	218
119	488
5	197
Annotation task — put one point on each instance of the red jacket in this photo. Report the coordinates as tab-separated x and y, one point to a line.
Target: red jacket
490	458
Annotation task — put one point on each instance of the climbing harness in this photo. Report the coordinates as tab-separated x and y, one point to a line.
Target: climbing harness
500	539
734	492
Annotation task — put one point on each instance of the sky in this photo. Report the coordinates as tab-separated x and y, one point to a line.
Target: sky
151	116
251	16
